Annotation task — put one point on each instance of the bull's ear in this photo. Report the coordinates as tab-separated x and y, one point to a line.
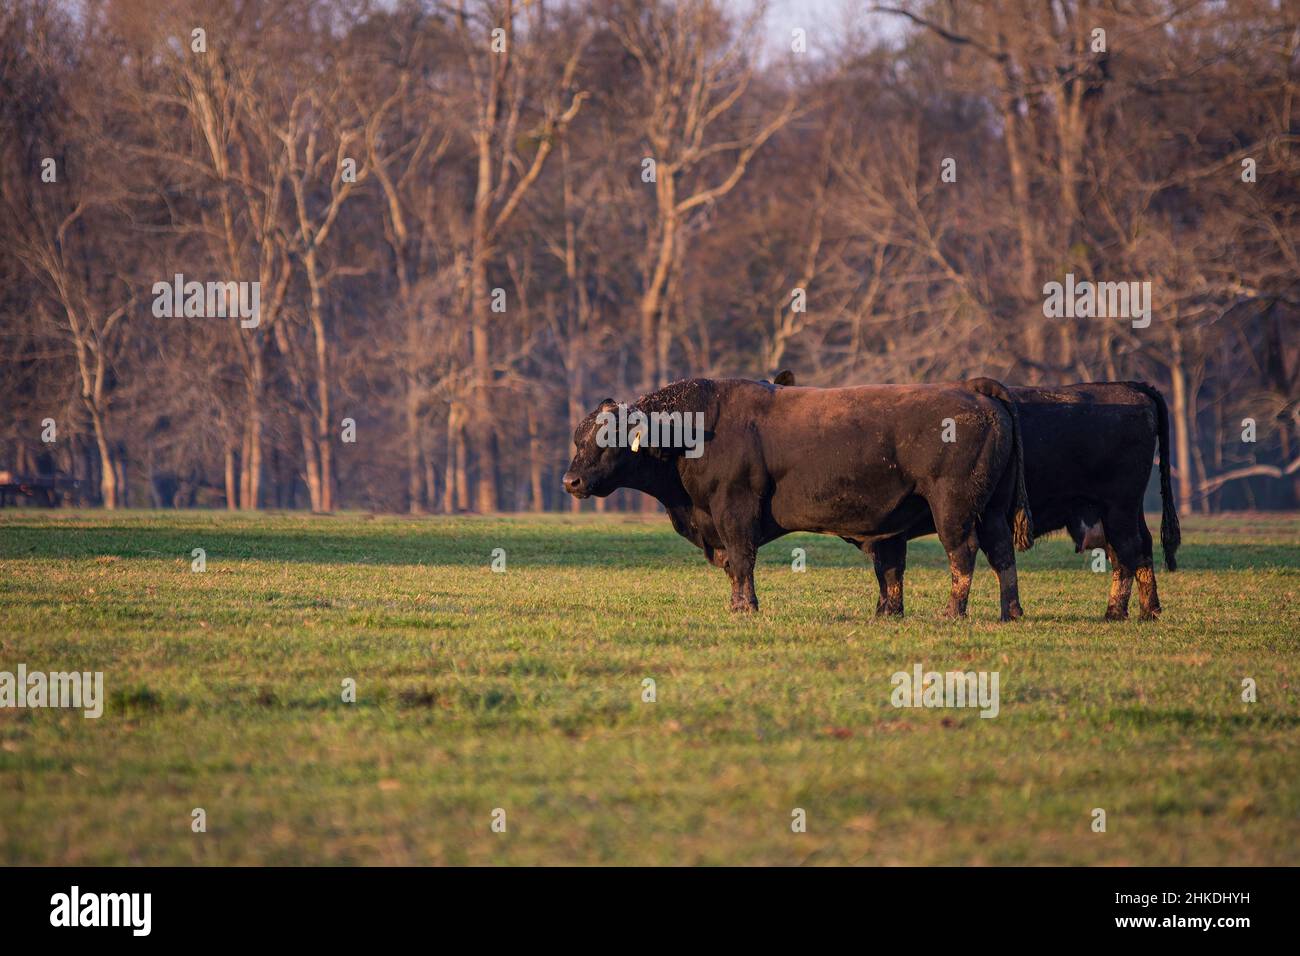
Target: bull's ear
607	403
784	377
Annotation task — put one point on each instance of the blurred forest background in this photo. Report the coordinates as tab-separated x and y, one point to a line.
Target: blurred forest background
460	245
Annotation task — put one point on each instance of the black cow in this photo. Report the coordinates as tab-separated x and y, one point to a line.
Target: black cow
866	463
1088	451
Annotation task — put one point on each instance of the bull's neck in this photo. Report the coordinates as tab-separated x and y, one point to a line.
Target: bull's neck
660	481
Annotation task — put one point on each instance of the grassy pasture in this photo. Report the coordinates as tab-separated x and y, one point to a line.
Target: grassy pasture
523	691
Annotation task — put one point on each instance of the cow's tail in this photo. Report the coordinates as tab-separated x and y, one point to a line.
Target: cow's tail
1171	535
1022	525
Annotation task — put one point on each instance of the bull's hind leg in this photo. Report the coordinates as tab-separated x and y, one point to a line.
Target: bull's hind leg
1148	599
1121	586
997	544
961	563
1124	547
890	560
958	539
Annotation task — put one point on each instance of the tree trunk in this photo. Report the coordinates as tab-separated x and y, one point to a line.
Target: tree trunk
576	414
657	279
311	461
108	487
1179	411
251	489
535	455
481	357
414	462
123	485
449	471
1035	338
654	358
324	412
456	486
430	481
462	468
480	410
232	489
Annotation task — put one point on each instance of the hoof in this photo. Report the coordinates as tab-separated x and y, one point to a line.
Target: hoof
1013	613
743	607
1114	614
954	614
888	610
1149	615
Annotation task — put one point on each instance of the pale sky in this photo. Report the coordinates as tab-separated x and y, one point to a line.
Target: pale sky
826	21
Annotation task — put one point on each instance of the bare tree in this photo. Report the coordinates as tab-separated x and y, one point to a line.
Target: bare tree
512	82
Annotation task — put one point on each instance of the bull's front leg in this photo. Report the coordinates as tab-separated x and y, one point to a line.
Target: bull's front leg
740	568
738	526
689	527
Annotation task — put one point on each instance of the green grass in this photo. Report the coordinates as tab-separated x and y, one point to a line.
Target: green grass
522	690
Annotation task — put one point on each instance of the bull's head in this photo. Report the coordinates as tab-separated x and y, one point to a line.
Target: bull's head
597	467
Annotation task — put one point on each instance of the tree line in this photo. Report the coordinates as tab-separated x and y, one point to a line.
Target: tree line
468	222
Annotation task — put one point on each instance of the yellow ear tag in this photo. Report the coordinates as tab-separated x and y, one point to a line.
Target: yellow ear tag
636	441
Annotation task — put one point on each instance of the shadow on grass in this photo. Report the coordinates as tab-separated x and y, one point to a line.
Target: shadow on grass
469	543
1187	719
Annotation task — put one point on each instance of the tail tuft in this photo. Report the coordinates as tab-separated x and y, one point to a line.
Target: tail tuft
1022	529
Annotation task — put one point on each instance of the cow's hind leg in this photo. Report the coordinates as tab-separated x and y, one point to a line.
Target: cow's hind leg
997	544
890	560
957	535
1121	586
961	563
1148	599
1124	547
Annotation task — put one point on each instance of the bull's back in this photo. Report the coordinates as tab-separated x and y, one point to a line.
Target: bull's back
899	425
862	459
1090	440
